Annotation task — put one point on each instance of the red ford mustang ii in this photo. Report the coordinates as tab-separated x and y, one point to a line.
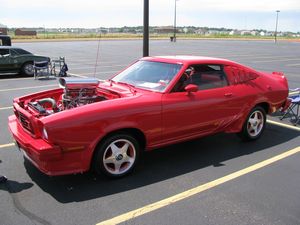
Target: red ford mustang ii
155	102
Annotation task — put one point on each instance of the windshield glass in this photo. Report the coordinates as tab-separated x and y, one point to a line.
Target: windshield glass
154	76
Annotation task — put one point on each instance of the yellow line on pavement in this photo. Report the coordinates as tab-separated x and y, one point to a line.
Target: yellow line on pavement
4	108
284	125
186	194
24	88
7	145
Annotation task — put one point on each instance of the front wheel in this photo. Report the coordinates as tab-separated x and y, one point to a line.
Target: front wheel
27	69
254	125
117	155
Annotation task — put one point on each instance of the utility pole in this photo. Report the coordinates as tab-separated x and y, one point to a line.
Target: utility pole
277	11
146	29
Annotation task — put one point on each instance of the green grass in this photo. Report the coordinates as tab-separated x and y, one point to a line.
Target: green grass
53	36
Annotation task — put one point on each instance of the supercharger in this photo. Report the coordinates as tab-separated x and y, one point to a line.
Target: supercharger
76	92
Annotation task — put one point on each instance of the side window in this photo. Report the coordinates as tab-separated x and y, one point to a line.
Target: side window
4	52
205	76
21	51
13	52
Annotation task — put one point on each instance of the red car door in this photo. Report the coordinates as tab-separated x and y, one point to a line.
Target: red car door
209	110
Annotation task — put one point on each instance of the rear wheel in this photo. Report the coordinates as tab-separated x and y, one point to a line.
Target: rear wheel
254	124
117	155
27	69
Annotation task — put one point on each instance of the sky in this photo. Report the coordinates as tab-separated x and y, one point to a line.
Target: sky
236	14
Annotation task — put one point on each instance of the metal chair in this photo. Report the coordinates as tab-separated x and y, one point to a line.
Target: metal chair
57	64
293	110
41	69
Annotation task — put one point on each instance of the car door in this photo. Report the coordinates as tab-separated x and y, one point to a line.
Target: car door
4	60
208	110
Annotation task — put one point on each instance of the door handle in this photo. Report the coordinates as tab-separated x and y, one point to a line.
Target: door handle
228	94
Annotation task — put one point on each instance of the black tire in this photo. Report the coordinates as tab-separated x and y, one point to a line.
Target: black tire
113	153
27	69
254	125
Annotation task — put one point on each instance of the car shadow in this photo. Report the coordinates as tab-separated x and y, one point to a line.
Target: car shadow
159	165
13	76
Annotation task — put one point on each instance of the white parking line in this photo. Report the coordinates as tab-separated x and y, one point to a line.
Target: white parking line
293	65
4	108
24	88
8	79
275	60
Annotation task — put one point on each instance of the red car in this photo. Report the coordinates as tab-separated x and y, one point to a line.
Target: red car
157	101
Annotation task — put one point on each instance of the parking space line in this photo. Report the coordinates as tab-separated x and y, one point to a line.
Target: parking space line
283	125
4	108
191	192
8	79
292	65
24	88
275	60
7	145
77	75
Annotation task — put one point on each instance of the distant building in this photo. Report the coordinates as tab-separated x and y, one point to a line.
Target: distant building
25	32
201	31
234	32
165	30
249	32
262	33
3	29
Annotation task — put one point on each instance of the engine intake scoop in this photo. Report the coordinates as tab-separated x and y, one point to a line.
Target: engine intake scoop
76	83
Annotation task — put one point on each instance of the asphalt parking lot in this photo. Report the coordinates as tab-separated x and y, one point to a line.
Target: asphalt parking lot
213	180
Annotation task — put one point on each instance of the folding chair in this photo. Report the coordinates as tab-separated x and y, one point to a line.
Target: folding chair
41	69
293	110
57	64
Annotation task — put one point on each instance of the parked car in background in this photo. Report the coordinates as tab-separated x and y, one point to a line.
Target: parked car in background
18	60
155	102
5	40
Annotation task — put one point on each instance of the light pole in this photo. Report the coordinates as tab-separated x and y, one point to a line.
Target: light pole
174	36
146	29
277	11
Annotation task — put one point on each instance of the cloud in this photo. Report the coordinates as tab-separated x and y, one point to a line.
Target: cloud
95	13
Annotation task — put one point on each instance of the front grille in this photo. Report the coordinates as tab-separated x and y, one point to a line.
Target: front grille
25	122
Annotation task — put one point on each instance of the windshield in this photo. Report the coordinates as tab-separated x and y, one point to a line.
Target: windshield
154	76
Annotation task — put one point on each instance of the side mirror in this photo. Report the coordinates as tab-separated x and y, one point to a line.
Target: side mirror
191	88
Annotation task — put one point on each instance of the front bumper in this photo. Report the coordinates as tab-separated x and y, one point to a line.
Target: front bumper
46	157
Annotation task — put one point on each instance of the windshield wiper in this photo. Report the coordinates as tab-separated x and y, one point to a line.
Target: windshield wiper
130	86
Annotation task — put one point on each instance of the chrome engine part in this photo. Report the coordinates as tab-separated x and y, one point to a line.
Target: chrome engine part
78	92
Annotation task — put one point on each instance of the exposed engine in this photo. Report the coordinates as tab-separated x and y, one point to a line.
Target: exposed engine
77	92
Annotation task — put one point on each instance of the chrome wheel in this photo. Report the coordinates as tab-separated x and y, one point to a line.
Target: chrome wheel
119	157
255	123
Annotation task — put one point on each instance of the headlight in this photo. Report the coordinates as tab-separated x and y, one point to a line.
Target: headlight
45	134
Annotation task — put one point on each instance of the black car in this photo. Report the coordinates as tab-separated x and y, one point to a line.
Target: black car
18	60
5	40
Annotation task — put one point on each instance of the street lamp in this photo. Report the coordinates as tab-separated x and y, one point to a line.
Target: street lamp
146	29
174	36
277	11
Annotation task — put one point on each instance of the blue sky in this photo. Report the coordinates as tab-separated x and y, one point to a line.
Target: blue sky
239	14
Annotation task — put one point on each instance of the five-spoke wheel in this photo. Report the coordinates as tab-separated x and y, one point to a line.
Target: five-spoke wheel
254	124
117	155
